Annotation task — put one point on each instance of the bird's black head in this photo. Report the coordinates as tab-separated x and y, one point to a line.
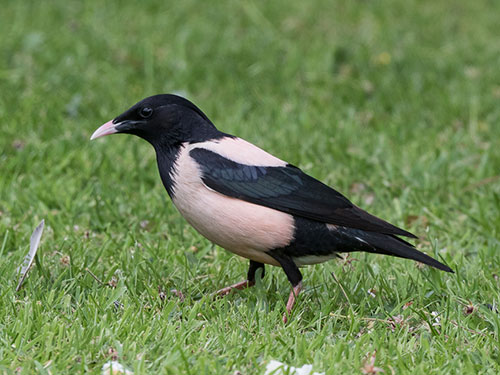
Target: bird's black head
163	120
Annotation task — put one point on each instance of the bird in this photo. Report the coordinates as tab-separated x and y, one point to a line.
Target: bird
249	201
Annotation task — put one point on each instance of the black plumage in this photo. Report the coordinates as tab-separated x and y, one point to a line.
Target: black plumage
287	189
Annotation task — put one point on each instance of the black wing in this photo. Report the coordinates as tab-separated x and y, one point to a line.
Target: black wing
286	189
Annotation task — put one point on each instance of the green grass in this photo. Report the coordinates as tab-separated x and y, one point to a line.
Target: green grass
394	103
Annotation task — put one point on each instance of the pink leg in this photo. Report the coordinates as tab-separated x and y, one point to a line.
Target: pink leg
241	285
291	300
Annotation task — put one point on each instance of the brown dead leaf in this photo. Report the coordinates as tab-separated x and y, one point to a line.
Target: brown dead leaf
415	219
347	261
65	260
397	321
357	187
407	304
18	144
113	282
178	294
369	365
469	308
369	198
113	354
419	265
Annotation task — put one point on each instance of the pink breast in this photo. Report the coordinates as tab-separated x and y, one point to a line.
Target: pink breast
243	228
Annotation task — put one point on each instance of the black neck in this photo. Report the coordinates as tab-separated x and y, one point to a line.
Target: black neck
194	129
166	157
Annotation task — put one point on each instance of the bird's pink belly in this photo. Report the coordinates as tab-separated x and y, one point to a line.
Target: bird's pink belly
243	228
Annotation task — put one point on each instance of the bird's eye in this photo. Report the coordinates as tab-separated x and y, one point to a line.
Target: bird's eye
146	112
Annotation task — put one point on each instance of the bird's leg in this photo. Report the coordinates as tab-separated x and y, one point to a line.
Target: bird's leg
294	276
291	300
250	281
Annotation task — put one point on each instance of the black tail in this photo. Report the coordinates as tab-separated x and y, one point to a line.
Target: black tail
392	245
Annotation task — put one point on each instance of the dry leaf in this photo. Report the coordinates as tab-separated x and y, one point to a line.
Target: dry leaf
369	366
28	259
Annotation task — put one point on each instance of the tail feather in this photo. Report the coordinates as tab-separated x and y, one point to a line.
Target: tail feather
391	245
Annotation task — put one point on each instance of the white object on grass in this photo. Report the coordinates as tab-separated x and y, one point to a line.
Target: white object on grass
28	259
278	368
115	368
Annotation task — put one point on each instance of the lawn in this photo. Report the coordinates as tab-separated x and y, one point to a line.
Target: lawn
394	103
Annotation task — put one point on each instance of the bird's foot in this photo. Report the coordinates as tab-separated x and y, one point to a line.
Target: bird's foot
291	300
228	289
